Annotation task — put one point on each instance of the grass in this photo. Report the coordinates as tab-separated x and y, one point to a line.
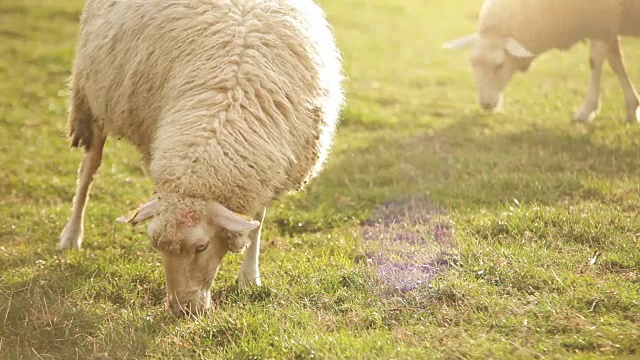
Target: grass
435	231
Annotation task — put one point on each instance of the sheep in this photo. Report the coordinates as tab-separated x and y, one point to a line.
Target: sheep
512	33
231	103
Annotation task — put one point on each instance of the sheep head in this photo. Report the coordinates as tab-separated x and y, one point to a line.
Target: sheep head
495	60
193	236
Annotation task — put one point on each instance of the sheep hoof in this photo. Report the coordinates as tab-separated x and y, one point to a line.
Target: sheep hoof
633	115
586	114
71	238
245	282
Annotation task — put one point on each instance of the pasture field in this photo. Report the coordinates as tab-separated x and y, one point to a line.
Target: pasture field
435	231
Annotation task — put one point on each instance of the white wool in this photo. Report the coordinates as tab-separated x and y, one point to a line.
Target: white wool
234	101
524	29
544	24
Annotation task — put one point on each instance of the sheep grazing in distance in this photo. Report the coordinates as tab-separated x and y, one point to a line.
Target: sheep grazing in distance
513	32
232	103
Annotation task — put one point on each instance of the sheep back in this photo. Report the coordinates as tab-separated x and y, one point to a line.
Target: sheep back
630	18
234	100
544	24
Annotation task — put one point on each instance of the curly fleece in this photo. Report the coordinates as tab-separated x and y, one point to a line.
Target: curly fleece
230	100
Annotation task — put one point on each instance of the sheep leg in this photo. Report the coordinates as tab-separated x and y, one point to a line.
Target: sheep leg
71	237
616	60
598	54
249	273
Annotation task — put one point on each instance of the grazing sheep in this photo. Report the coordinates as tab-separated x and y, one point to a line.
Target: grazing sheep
231	103
513	32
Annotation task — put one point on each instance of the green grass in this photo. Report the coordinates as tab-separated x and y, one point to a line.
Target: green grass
435	231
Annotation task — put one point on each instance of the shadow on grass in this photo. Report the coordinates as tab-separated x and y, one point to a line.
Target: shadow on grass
470	164
100	305
399	188
54	309
396	186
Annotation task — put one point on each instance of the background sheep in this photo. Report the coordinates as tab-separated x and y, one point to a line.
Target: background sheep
513	32
231	103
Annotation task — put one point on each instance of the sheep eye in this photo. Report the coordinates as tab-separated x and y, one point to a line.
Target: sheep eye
499	67
201	248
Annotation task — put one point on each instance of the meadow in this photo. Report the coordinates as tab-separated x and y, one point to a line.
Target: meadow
435	231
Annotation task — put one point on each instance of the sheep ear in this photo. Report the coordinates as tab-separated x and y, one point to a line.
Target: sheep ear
229	220
462	42
141	213
515	49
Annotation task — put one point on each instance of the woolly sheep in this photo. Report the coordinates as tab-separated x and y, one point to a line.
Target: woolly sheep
513	32
231	103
